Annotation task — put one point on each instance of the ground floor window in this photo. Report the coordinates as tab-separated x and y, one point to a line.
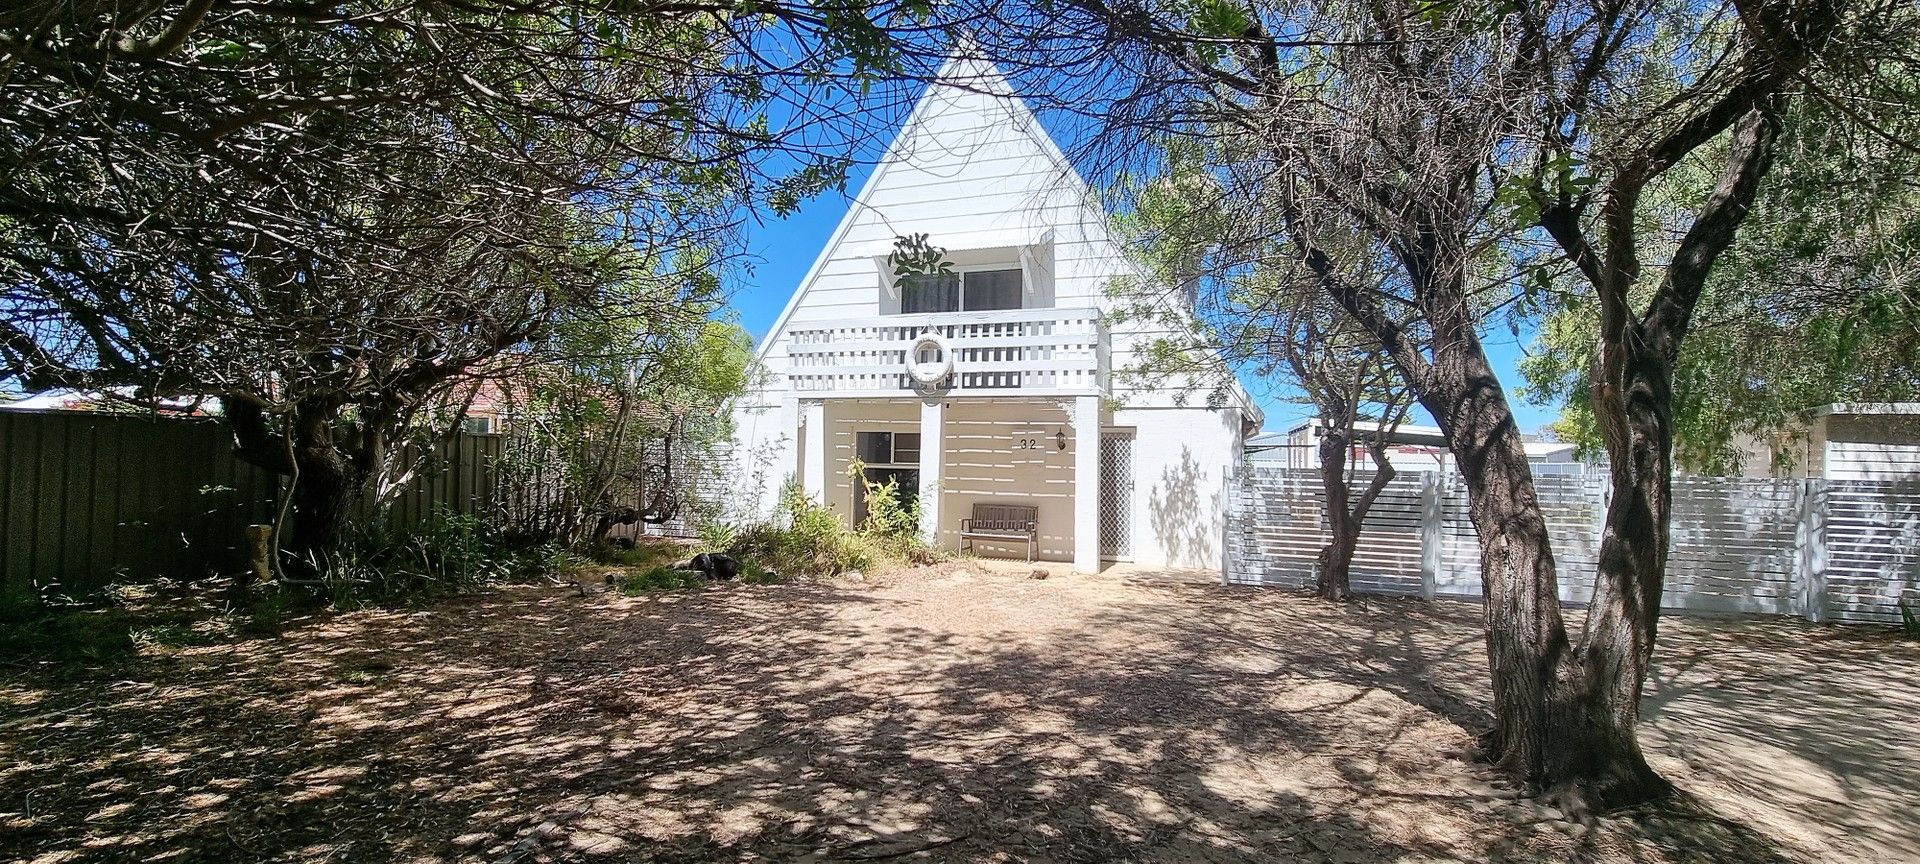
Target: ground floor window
888	448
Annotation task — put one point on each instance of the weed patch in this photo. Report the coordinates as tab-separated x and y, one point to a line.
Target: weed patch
806	539
179	634
660	578
644	553
449	553
70	635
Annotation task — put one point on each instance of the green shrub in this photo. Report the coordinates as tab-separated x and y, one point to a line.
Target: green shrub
268	610
381	564
67	634
718	534
99	627
806	539
754	575
888	516
893	521
1909	623
448	553
20	602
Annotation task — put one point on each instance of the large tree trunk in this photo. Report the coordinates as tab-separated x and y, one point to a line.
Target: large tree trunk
1336	558
324	492
1346	515
1616	650
1633	402
326	475
1563	719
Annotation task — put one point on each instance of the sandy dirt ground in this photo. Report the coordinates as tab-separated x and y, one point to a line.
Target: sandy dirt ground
958	713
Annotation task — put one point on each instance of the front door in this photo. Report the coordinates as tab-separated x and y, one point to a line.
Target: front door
1116	496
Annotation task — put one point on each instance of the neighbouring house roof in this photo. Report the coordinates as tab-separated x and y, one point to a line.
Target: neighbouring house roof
1870	409
1266	441
41	402
93	400
1537	449
1407	435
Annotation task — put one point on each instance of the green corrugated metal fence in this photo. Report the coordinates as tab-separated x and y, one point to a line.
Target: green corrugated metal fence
89	498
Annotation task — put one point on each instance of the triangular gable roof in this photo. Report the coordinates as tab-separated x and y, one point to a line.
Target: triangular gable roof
964	71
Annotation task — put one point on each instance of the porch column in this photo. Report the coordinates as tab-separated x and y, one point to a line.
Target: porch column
933	465
1086	484
813	462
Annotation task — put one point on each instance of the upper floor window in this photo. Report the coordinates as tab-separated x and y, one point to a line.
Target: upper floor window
964	291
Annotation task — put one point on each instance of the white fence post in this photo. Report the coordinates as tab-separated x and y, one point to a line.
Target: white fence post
1432	536
1810	537
1228	521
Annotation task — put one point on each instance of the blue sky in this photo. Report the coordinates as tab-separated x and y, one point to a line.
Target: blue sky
779	251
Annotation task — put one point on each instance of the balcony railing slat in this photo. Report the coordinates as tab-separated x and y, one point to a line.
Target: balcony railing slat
1000	351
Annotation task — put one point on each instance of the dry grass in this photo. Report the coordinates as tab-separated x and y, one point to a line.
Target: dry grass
962	713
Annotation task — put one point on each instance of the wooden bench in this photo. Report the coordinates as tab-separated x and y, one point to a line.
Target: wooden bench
1002	522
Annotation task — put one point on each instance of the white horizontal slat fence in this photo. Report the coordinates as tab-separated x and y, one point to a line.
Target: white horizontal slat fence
1844	551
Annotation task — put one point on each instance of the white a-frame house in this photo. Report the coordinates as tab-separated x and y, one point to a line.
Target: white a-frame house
988	392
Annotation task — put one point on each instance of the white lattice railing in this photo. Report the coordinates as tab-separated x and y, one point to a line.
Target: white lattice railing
1009	351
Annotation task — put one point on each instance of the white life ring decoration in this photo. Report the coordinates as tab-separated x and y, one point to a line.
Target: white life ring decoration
929	361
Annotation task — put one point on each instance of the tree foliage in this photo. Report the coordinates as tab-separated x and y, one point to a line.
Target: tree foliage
328	215
1816	302
1483	154
1225	296
594	440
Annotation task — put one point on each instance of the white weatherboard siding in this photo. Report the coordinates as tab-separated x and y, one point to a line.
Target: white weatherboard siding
1863	446
1874	441
974	171
1858	460
972	166
1181	458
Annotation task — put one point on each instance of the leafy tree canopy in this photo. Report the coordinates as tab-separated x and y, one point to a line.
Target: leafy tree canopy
1816	302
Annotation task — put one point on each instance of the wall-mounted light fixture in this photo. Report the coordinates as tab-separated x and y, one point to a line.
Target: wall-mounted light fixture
1060	438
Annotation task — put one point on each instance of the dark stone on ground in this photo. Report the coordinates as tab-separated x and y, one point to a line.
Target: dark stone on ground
714	565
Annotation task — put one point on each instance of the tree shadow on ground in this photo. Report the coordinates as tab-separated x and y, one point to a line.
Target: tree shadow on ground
1808	730
958	716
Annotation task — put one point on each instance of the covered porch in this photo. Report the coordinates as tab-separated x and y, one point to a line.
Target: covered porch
954	452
